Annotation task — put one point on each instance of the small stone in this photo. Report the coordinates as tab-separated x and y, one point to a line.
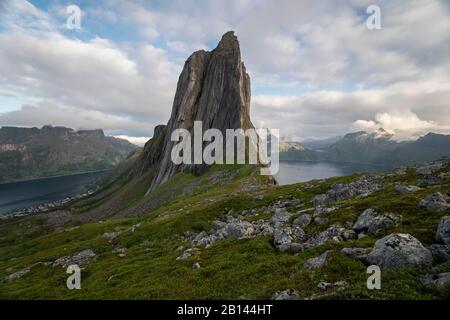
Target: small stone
441	280
404	189
317	262
111	236
196	266
324	285
259	197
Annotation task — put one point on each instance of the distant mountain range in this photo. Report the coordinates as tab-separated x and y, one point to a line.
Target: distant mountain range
27	153
372	148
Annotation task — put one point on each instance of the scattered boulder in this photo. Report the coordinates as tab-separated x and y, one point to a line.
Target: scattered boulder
371	222
443	230
429	180
289	294
362	187
302	221
286	239
317	262
259	197
356	253
400	250
440	280
405	189
324	285
280	217
196	266
110	236
333	233
436	202
319	211
440	252
187	254
81	259
320	221
16	275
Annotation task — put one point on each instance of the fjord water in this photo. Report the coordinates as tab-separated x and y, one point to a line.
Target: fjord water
294	172
26	194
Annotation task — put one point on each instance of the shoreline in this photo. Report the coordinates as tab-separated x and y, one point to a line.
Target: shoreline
56	176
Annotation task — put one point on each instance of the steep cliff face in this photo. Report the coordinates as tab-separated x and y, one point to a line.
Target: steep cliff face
213	88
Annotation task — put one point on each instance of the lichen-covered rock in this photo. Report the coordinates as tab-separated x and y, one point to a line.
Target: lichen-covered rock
443	230
440	281
16	275
81	259
302	221
333	233
371	222
289	294
356	253
405	189
317	262
436	202
440	252
110	236
400	250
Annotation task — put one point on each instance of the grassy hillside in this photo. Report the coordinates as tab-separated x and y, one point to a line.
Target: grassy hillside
140	263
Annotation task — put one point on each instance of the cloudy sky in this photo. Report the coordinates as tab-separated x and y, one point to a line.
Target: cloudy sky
317	71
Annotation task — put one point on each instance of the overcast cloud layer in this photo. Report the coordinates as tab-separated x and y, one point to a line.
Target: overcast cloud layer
317	71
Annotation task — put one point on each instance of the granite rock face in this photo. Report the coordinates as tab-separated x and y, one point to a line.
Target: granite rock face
214	88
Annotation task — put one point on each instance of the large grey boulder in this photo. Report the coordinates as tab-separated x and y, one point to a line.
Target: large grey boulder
443	230
371	222
436	202
400	250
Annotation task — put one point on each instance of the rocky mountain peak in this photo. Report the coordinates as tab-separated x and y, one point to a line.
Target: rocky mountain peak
214	88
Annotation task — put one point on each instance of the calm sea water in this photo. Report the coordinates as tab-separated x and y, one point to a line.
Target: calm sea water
294	172
26	194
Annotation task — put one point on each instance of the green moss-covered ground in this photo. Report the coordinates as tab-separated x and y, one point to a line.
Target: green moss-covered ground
230	269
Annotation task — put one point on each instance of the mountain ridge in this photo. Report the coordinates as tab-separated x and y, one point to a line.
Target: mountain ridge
29	153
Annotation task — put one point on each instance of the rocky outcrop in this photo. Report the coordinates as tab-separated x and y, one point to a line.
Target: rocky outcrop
363	187
400	250
213	88
81	259
370	222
